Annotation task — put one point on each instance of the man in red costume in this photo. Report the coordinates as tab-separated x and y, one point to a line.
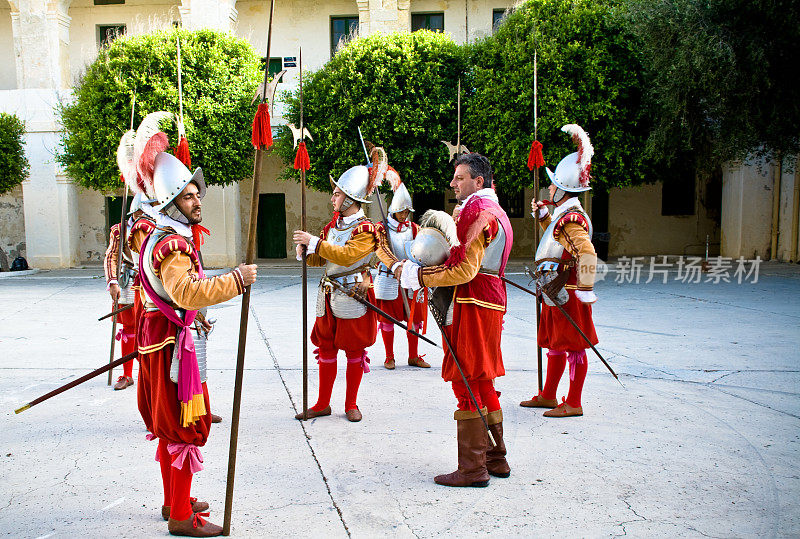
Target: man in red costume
345	248
566	245
478	305
122	294
173	397
391	245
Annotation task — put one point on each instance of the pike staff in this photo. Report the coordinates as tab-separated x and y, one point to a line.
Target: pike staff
303	163
536	160
261	138
122	225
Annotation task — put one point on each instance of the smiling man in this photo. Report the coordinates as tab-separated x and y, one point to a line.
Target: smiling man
479	303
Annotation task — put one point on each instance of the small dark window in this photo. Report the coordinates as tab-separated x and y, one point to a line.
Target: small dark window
113	208
427	21
106	33
108	2
497	17
513	203
275	66
342	30
678	189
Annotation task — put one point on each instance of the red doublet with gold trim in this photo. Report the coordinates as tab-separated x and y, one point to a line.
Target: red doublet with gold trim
480	299
555	331
331	333
177	265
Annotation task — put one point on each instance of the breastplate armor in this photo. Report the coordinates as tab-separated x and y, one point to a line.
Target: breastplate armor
386	286
548	258
493	256
149	269
340	236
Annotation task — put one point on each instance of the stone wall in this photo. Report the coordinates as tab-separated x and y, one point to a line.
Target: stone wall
12	227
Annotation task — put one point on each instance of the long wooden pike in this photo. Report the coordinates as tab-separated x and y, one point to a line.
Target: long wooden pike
76	382
250	257
116	311
304	301
536	232
122	223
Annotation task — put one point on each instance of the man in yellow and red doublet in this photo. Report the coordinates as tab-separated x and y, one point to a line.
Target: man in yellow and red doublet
345	247
566	245
479	303
121	296
391	244
177	411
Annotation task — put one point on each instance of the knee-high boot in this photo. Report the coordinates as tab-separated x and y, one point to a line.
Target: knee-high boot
496	463
473	442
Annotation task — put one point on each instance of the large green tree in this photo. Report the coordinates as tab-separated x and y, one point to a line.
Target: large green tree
14	165
721	76
399	88
220	74
588	73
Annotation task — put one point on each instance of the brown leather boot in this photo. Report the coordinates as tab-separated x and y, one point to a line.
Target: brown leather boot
473	442
194	526
197	507
496	463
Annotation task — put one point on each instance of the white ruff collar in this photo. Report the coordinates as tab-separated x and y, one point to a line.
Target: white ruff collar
572	203
351	218
488	192
165	221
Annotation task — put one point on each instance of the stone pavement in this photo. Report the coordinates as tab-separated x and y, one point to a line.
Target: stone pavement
703	439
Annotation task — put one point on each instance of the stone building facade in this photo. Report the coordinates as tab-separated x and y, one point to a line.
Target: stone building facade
55	223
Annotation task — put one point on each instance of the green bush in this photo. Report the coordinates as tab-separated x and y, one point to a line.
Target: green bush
588	73
400	89
220	74
14	166
720	76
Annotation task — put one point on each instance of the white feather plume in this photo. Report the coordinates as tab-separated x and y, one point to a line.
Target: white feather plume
585	149
443	222
149	127
125	162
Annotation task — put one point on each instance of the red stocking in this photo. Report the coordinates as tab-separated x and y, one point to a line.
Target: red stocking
355	371
556	361
181	506
413	340
388	343
165	460
489	396
327	375
127	346
576	383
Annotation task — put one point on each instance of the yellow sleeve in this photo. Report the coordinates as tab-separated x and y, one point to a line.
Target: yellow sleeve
112	254
383	250
190	292
576	240
544	222
314	259
460	274
136	240
357	247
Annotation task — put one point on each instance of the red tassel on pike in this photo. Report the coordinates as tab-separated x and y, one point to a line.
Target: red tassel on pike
262	132
121	179
301	160
182	152
535	157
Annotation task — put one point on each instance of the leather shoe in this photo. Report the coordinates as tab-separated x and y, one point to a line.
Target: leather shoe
389	364
123	382
564	410
418	362
194	526
539	402
353	415
314	413
216	419
197	507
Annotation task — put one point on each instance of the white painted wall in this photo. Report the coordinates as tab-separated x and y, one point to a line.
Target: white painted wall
140	16
8	68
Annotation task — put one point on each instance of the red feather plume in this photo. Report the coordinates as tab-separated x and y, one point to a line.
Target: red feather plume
144	168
